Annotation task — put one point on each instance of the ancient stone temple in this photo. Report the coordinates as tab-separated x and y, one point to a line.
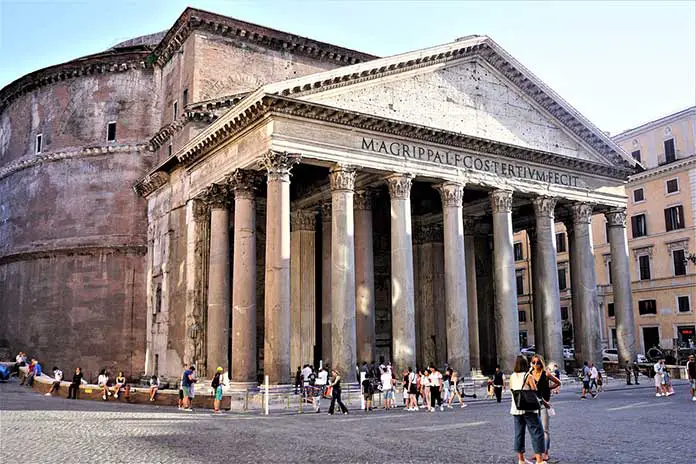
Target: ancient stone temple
300	202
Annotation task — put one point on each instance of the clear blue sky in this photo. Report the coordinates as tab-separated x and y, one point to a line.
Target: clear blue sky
619	63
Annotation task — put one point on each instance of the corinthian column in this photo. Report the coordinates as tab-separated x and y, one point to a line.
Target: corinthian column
197	213
403	312
342	272
302	287
456	311
621	278
583	279
243	185
326	282
546	293
471	291
364	277
276	356
506	318
217	334
537	306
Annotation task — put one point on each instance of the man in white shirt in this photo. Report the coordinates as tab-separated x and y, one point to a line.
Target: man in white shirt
322	377
387	388
435	379
594	375
659	379
57	378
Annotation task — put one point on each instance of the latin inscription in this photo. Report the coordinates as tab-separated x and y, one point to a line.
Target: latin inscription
475	162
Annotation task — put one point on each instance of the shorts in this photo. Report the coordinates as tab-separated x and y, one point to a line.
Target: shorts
218	393
388	394
658	380
586	384
367	396
413	390
188	391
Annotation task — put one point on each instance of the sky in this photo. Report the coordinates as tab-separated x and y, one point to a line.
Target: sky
619	63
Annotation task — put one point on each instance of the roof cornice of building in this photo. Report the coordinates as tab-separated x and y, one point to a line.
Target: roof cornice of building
253	109
194	19
648	126
685	163
105	62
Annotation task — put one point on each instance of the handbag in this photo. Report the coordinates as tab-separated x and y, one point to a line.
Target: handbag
328	392
526	400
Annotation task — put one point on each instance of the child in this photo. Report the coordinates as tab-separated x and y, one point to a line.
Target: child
490	390
180	404
367	393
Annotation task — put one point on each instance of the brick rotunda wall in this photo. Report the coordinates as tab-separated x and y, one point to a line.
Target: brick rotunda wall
72	231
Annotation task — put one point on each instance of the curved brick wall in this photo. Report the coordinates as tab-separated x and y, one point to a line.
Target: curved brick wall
72	231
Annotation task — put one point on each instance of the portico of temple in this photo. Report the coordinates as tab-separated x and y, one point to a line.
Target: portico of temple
368	211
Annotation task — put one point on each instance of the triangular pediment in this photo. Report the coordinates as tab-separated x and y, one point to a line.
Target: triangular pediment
469	97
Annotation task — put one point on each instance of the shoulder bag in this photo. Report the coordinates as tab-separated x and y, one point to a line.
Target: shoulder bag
526	400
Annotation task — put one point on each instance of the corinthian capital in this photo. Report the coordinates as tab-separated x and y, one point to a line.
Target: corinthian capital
616	217
582	213
362	200
451	193
216	195
501	201
544	206
279	163
342	177
326	211
303	220
244	183
400	186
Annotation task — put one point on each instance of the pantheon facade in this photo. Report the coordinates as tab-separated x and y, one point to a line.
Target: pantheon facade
306	203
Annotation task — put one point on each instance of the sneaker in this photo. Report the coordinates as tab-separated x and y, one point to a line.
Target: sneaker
188	409
449	406
658	394
116	396
179	407
432	409
693	398
345	413
104	397
442	408
584	397
464	405
669	394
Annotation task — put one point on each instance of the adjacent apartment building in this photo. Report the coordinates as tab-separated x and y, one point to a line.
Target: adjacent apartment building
661	237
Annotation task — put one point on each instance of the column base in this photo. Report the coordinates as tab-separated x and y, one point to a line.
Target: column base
241	386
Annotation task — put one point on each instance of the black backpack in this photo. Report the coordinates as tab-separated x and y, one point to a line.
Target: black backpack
216	381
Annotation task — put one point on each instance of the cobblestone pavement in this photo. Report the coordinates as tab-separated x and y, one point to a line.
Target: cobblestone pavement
630	426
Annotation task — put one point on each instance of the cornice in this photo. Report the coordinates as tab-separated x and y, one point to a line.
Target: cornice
167	132
651	125
150	183
139	250
48	157
664	169
193	19
107	62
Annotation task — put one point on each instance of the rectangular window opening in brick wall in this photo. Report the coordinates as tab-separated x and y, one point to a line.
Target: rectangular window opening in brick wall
679	262
639	226
646	307
672	185
636	155
522	316
564	313
560	243
518	251
610	310
644	267
111	131
670	153
184	98
519	280
674	218
609	272
683	303
175	111
38	146
562	284
638	195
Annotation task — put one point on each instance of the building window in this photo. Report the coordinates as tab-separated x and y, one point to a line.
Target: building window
111	131
518	252
638	195
609	272
679	262
606	230
683	304
519	279
564	313
639	226
523	338
647	307
176	110
184	98
38	146
636	155
522	316
670	154
610	310
644	267
560	243
562	284
672	185
158	299
674	218
613	338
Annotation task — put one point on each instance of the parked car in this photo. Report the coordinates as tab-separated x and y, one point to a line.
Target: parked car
529	351
610	354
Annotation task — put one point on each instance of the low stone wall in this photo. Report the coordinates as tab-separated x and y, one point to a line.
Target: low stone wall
675	372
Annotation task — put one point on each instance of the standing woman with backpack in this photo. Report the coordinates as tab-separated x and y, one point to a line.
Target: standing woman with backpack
524	409
335	385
